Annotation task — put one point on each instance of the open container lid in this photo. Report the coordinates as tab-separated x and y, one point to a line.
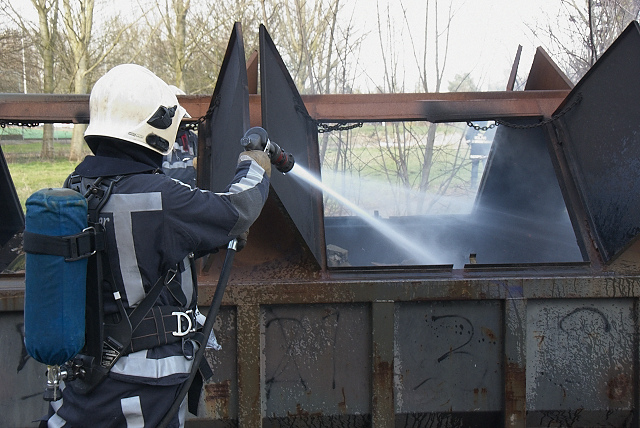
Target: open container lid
600	137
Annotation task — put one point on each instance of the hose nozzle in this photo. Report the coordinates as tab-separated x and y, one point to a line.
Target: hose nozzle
282	160
256	138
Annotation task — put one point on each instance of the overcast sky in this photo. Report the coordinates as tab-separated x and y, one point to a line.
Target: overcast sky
484	37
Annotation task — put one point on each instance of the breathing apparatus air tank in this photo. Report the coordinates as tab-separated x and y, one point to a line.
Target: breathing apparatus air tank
55	293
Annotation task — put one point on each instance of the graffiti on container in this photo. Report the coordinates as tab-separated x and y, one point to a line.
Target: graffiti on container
449	358
456	350
565	418
583	358
587	309
457	343
301	341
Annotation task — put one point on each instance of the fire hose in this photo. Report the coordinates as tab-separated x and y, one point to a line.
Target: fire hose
206	331
255	138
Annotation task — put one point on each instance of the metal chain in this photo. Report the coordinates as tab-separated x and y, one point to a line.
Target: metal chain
323	126
194	125
532	125
546	121
481	128
344	126
5	123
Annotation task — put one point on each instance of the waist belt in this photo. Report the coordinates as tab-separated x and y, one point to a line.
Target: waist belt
163	325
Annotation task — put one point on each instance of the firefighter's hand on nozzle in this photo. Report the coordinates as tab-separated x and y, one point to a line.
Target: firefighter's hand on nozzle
260	157
256	138
242	240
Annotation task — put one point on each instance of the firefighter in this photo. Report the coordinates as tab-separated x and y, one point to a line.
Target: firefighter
155	227
181	162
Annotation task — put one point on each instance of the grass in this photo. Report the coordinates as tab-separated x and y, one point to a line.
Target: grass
33	147
33	133
29	177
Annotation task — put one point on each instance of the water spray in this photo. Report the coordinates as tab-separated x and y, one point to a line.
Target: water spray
407	245
256	138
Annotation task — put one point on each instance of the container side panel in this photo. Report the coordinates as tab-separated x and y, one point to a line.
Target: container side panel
580	362
449	357
317	361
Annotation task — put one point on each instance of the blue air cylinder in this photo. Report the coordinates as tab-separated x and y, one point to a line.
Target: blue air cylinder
55	294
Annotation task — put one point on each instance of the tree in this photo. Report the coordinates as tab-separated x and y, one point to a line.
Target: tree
78	22
308	36
48	29
401	142
462	83
583	30
18	56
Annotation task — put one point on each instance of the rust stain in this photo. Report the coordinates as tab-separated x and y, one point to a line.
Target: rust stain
515	395
384	369
300	412
343	404
618	387
489	333
479	396
382	385
216	399
539	337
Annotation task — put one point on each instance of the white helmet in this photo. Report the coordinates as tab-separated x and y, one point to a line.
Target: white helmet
131	103
179	91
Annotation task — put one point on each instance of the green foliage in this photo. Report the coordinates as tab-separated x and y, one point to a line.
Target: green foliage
29	177
462	83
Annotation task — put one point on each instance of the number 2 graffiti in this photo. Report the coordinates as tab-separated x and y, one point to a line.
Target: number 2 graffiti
463	321
455	326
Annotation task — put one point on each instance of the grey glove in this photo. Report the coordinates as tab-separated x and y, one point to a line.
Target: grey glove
261	159
242	240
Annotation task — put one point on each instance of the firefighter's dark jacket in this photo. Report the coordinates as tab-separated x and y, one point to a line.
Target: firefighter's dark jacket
154	223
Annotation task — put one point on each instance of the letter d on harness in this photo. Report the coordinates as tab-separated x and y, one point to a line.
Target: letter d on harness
189	329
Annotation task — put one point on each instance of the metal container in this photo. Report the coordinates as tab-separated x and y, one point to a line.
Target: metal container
531	334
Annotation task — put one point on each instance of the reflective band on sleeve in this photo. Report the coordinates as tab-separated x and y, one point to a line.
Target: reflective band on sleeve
253	177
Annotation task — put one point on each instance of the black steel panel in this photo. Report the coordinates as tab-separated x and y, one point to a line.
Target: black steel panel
11	215
288	123
520	215
220	134
600	136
